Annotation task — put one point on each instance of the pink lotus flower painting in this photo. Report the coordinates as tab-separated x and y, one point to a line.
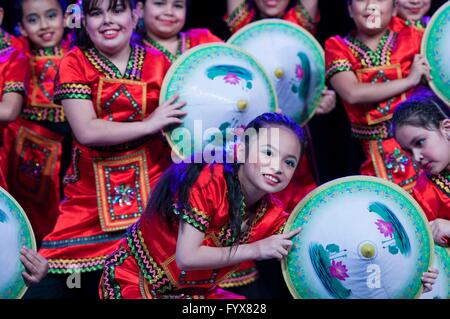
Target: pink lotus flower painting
338	270
231	78
299	73
385	228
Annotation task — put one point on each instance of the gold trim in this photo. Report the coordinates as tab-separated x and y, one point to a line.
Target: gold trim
98	105
402	96
44	142
102	204
36	86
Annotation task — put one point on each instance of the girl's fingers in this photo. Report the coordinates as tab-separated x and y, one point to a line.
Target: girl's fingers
178	105
27	264
28	278
427	287
176	113
292	233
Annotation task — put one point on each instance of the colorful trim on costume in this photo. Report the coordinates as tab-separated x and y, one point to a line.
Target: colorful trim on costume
337	66
420	24
13	87
304	18
242	13
386	164
97	239
281	229
155	44
5	42
195	217
110	286
75	176
261	211
152	272
52	51
240	278
72	91
53	114
372	132
442	181
368	58
70	266
211	280
107	68
116	198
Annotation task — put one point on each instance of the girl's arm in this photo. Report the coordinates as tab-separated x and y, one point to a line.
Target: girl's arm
91	131
352	91
192	255
10	107
233	5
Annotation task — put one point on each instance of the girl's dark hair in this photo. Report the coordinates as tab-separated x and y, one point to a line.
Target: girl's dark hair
82	39
19	8
424	110
292	3
171	194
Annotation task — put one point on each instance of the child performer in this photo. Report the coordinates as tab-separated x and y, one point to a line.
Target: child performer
37	144
164	20
14	73
109	90
302	12
204	219
411	13
373	69
422	128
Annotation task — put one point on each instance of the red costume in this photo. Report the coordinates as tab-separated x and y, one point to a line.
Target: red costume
106	188
247	13
14	74
144	264
371	122
398	23
303	180
433	194
34	142
186	41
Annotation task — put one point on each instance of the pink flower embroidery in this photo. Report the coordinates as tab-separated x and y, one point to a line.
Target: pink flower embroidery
338	270
231	78
385	228
299	73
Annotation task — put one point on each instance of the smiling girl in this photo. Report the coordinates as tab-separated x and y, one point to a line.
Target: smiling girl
109	90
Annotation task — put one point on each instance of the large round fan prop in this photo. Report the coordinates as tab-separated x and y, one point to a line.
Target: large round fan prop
441	289
293	59
436	48
224	87
15	232
362	237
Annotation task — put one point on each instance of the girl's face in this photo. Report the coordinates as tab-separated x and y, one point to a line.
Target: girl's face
272	8
371	16
413	9
273	155
429	148
42	22
164	18
110	29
